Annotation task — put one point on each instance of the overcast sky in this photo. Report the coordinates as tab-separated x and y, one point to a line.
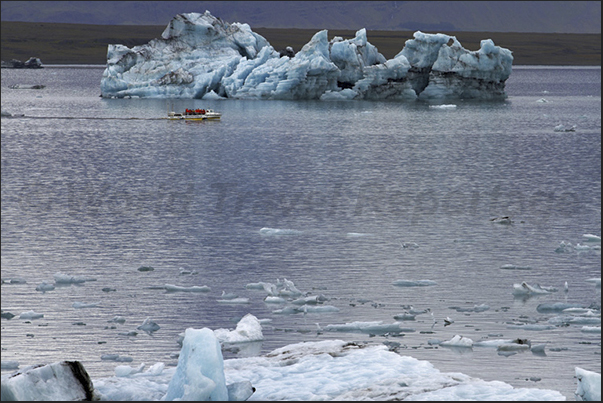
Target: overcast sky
488	16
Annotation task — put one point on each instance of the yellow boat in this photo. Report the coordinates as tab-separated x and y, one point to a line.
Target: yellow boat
195	114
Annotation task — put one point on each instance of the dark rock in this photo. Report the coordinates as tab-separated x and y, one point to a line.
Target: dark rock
31	63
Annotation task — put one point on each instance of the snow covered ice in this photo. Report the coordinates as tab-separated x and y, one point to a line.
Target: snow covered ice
199	55
324	370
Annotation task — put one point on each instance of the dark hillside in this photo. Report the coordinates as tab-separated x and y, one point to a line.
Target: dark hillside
58	43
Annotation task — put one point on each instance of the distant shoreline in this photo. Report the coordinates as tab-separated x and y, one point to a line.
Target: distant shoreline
75	44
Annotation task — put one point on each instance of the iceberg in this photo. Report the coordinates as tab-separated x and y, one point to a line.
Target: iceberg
200	56
589	385
200	371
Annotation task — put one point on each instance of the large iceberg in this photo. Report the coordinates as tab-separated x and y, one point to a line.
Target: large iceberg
199	55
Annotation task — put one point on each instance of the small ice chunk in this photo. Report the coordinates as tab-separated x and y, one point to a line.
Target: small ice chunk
45	287
248	329
29	315
458	341
126	370
149	326
118	319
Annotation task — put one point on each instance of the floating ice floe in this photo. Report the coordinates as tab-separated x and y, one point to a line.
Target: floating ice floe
527	289
475	308
238	300
564	247
595	280
376	327
14	280
549	307
405	316
581	312
514	267
458	341
562	128
279	231
194	288
126	370
228	295
445	106
589	385
592	238
542	100
505	343
530	326
502	220
187	272
270	299
285	288
61	278
289	310
30	315
45	287
118	319
310	300
149	326
567	247
574	320
591	329
116	357
414	283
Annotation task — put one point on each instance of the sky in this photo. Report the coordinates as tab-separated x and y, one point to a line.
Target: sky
484	16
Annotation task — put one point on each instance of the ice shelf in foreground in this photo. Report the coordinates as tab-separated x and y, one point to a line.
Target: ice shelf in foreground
324	370
200	55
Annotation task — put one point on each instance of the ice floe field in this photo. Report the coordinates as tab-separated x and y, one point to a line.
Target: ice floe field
426	248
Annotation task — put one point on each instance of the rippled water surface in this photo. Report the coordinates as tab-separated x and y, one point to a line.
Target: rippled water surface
375	192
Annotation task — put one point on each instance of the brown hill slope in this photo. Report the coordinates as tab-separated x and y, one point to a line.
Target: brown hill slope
57	43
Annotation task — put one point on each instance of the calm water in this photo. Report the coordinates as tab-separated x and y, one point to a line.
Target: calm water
102	197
